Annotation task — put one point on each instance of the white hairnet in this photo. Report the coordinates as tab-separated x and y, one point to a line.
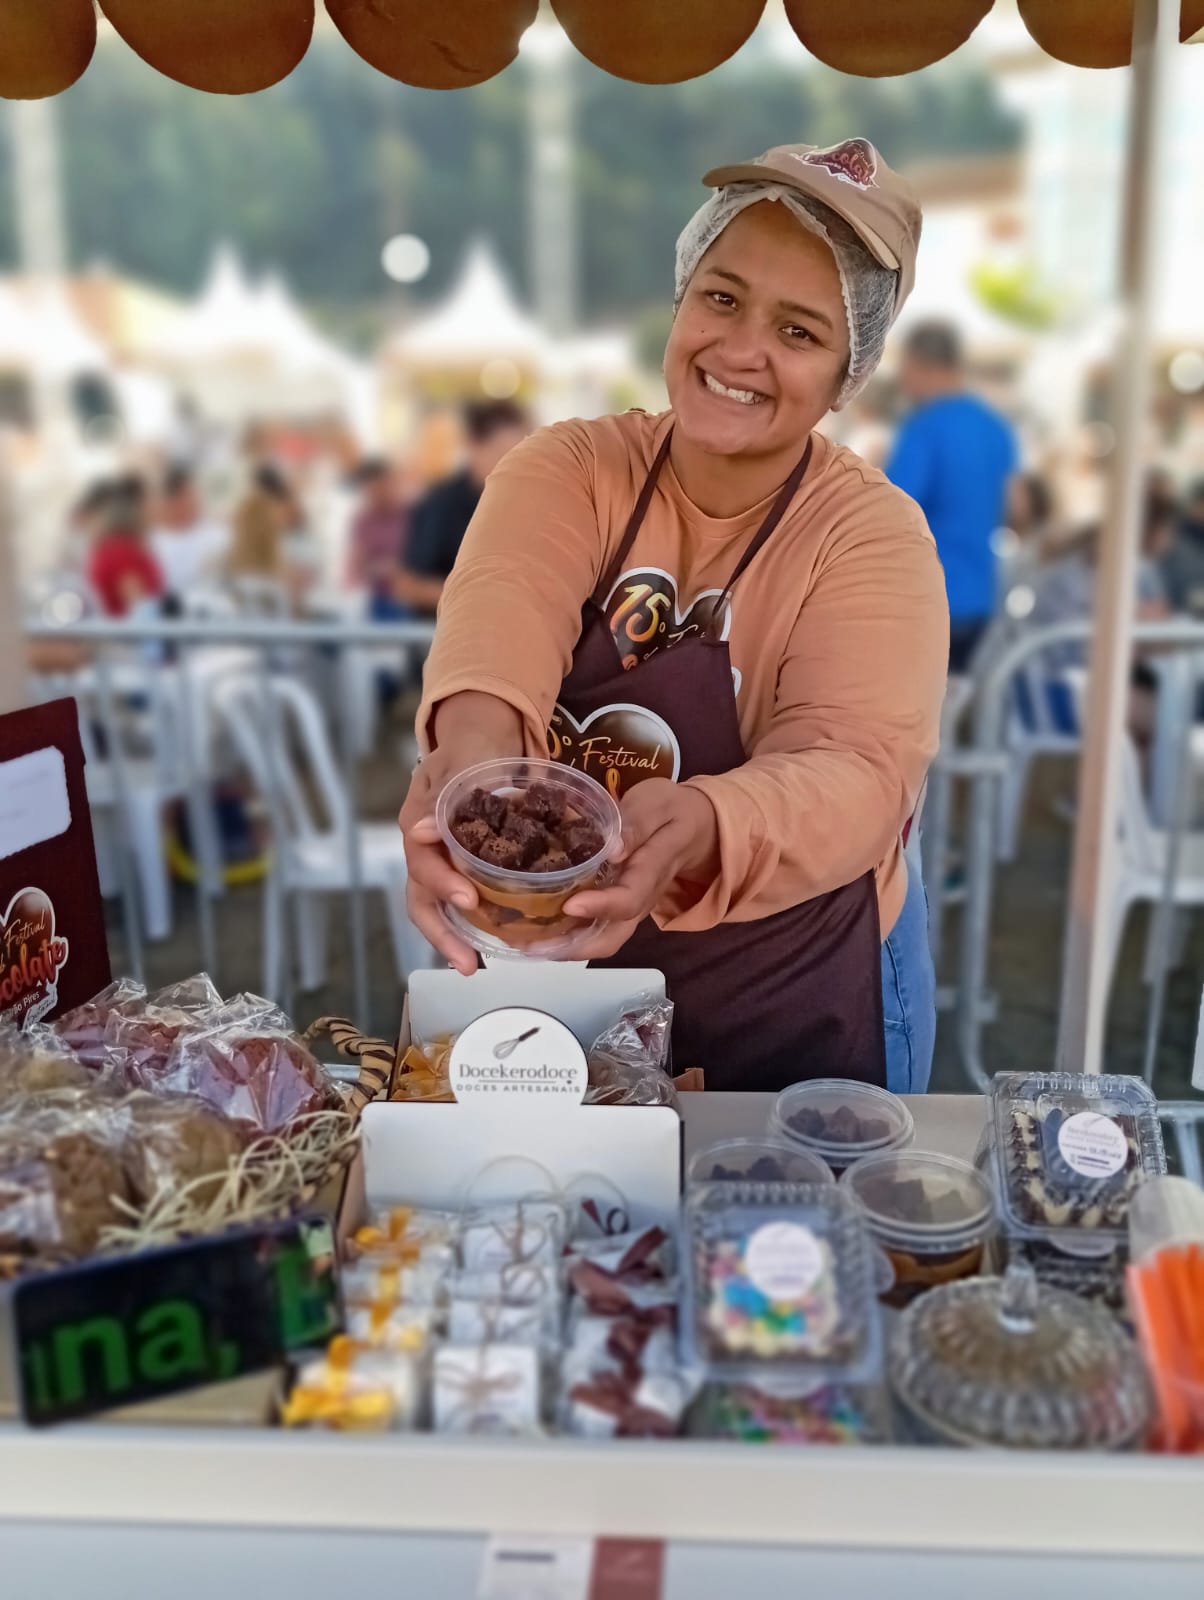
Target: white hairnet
867	286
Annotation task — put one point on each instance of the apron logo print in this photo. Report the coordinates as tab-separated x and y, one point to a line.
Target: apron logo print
643	616
619	745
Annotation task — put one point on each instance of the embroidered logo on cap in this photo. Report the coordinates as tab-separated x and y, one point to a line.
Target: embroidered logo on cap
854	161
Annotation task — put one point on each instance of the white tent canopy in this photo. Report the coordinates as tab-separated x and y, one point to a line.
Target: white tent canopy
41	333
247	349
480	320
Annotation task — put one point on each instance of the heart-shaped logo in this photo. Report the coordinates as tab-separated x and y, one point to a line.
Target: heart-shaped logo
854	161
643	616
619	745
31	957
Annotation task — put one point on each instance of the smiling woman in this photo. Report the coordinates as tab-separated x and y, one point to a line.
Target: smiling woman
742	630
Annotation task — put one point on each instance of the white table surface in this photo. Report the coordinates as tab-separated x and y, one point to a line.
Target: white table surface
117	1514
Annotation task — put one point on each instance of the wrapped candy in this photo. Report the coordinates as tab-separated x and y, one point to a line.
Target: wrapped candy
353	1390
633	1344
644	1255
609	1405
380	1281
518	1303
494	1321
422	1073
35	1061
628	1062
406	1234
83	1029
399	1327
264	1081
59	1190
486	1388
169	1141
531	1232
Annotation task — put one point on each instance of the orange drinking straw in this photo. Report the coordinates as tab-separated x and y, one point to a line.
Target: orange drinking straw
1167	1294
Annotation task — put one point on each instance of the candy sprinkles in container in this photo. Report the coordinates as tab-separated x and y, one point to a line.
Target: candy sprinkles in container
781	1281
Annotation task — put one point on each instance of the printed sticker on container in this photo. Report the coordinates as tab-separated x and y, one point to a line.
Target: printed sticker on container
1093	1145
783	1260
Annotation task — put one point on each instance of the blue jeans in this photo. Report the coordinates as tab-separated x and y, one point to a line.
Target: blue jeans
909	995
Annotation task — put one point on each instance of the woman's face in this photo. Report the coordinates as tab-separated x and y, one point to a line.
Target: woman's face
760	343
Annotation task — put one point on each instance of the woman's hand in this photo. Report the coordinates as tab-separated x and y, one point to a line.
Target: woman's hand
669	832
469	728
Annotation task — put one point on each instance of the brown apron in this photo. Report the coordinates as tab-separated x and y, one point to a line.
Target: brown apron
760	1004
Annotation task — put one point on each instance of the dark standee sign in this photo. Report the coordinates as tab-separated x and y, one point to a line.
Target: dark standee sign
110	1333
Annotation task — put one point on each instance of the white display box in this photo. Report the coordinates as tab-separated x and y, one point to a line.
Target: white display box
446	1156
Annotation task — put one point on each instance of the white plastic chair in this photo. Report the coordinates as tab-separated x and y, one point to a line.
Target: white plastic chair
1142	867
1026	737
313	862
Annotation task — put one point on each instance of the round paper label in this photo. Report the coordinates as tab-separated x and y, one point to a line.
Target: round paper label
783	1260
1093	1145
517	1051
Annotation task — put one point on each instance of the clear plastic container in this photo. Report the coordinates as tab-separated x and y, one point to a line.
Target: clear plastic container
756	1161
538	813
1069	1150
780	1280
779	1411
1007	1362
932	1215
841	1120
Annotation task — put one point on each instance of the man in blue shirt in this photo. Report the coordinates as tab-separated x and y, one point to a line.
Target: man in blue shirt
954	455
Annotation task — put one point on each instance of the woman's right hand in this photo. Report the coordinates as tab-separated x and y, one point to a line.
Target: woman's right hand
469	728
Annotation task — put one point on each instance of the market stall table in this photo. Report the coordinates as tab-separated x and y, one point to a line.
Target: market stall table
199	1506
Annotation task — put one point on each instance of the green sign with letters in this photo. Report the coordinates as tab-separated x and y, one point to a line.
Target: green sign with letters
110	1333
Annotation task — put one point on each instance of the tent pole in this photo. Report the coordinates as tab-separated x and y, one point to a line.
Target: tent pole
12	640
1085	976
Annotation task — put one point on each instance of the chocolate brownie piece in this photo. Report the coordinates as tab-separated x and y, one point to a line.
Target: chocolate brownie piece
502	852
552	860
542	802
581	840
472	834
480	805
530	836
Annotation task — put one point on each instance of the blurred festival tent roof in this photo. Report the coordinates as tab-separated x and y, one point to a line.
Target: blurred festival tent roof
479	321
42	334
444	353
244	350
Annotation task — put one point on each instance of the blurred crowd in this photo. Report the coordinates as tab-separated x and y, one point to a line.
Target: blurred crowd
303	526
1018	529
298	532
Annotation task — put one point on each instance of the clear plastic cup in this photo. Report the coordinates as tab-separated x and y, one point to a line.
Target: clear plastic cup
521	912
932	1215
840	1120
756	1161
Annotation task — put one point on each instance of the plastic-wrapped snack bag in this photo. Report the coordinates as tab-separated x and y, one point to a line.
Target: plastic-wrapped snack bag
628	1062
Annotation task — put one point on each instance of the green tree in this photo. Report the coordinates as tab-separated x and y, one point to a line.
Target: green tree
314	174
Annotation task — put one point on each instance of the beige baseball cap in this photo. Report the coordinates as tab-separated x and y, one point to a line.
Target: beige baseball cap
853	180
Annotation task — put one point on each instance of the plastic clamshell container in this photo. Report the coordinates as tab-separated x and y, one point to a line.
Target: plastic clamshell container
756	1161
841	1120
780	1280
1068	1151
931	1214
521	913
781	1410
1007	1362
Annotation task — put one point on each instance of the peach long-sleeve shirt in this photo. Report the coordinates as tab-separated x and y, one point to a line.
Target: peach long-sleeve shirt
838	633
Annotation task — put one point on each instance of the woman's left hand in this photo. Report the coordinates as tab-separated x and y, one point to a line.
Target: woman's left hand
669	832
